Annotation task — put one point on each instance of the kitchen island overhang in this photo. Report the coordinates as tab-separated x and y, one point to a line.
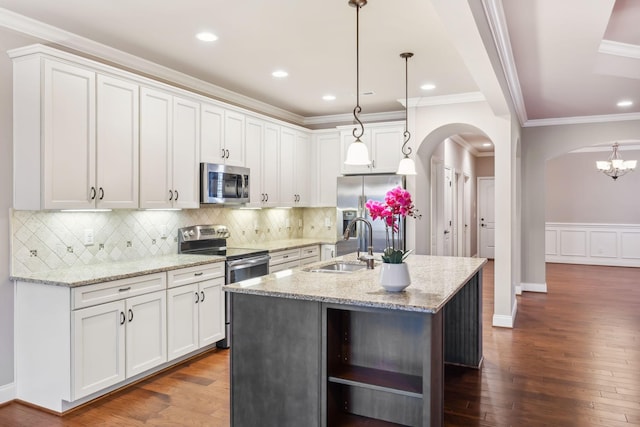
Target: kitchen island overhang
329	348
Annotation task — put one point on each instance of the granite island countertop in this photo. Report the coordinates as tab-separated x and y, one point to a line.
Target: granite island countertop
434	281
108	271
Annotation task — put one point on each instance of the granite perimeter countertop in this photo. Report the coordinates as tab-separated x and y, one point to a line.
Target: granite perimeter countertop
434	280
106	272
283	244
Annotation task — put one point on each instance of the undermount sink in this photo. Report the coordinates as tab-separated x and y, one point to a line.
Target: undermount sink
338	267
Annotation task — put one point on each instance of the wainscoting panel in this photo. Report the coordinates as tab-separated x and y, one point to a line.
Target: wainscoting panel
596	244
573	243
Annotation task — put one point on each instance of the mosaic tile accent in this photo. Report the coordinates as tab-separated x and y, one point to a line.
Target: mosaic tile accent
43	241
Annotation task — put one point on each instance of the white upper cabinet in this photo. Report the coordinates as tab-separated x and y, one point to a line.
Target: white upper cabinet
270	191
222	136
75	137
327	162
186	153
68	115
169	151
254	138
384	141
117	143
302	169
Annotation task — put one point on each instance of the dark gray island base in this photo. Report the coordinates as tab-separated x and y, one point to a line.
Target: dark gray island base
301	358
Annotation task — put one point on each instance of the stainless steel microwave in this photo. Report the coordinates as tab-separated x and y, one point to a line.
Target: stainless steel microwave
223	184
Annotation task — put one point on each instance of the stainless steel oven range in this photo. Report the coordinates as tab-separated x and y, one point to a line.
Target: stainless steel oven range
241	264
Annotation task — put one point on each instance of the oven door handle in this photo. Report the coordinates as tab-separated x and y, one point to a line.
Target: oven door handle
247	262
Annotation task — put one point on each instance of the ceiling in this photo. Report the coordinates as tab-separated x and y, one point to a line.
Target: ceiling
565	61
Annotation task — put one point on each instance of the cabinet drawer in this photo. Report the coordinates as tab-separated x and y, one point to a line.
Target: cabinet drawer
284	256
188	275
310	251
284	266
100	293
309	260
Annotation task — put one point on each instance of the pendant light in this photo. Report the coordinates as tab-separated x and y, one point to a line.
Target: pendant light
406	166
357	153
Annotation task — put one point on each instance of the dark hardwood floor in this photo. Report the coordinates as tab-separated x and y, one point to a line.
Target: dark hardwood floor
572	360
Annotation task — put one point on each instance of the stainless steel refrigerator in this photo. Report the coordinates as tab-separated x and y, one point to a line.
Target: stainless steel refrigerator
353	193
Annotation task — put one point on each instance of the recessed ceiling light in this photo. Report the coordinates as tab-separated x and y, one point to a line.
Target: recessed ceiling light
625	103
279	74
206	36
428	86
329	97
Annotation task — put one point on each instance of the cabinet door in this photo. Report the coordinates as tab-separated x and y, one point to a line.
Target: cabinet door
271	165
117	143
186	153
211	134
287	167
146	339
211	311
346	138
328	164
254	133
386	148
182	320
234	143
98	349
155	148
302	167
69	137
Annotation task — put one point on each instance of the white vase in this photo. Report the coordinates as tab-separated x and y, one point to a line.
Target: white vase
394	277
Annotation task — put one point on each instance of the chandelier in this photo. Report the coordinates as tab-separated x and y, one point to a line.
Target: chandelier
615	166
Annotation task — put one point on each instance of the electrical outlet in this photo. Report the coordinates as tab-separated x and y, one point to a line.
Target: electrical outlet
299	223
163	231
327	222
255	225
88	236
287	223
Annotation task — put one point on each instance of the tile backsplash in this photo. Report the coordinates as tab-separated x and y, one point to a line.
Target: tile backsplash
44	241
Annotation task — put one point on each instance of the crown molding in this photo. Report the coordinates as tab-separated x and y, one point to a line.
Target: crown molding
464	144
498	24
459	98
348	118
626	50
582	120
49	33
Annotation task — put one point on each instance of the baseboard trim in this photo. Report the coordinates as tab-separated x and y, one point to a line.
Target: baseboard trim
7	393
534	287
503	321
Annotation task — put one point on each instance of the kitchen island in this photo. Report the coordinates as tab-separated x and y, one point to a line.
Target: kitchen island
326	349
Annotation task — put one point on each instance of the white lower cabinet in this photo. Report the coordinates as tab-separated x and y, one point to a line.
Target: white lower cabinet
74	344
293	258
195	316
116	341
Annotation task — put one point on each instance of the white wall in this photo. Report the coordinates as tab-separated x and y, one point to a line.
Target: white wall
540	144
606	201
432	126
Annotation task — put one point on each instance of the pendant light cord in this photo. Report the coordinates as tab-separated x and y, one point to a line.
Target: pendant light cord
407	135
357	109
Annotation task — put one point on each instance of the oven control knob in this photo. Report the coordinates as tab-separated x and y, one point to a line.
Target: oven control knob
191	233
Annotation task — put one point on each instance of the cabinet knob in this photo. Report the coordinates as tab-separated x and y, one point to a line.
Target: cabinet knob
197	297
122	318
177	195
130	315
202	296
101	192
170	195
92	193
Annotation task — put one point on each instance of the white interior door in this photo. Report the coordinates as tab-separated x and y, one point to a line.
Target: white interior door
486	217
447	239
437	196
466	215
